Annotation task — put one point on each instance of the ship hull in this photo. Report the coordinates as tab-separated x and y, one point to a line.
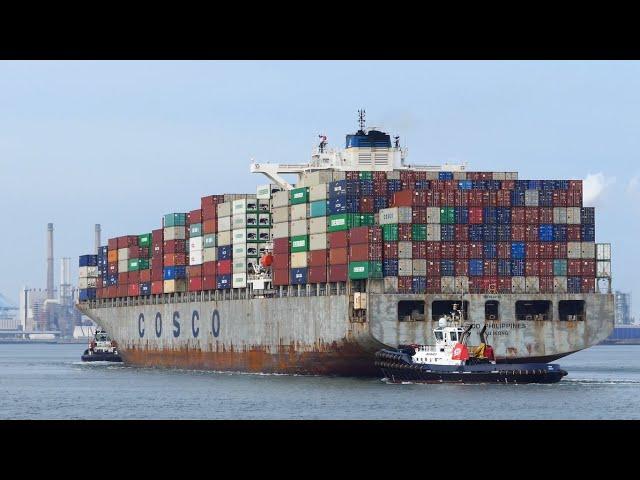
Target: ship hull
323	335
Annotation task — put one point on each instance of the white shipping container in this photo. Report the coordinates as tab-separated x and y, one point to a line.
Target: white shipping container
224	209
299	227
560	215
532	285
603	268
172	286
588	250
280	214
88	272
196	243
239	236
317	225
462	284
239	250
405	250
313	179
239	207
459	175
318	192
239	265
123	266
299	260
174	233
390	284
433	232
123	253
433	214
252	249
263	192
196	257
252	234
531	198
239	221
318	241
560	284
405	267
448	284
264	220
499	176
393	215
280	199
432	175
518	285
419	267
573	215
252	219
224	224
239	280
280	230
84	282
603	251
574	249
298	212
264	205
210	255
224	238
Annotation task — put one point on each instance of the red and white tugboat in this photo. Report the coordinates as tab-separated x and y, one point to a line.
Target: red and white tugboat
450	360
101	349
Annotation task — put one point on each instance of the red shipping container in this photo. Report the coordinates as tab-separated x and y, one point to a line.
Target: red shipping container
133	290
490	284
546	284
490	267
403	198
280	276
127	241
545	214
195	284
416	175
390	250
518	233
433	268
281	245
450	184
448	198
157	263
532	233
367	205
475	198
476	250
173	259
112	291
404	232
209	226
504	284
588	285
518	215
545	249
574	267
508	184
559	250
559	198
575	185
157	235
99	293
503	198
418	250
433	250
419	198
112	244
317	274
211	200
437	185
223	267
358	253
134	277
504	250
280	261
338	273
194	270
461	267
434	285
318	258
123	278
209	269
112	268
461	232
588	268
433	198
157	250
475	215
462	250
157	275
195	216
532	268
532	250
368	234
546	267
419	215
573	233
209	212
532	215
209	282
145	276
174	246
122	290
338	256
490	198
380	188
337	239
447	250
138	252
460	198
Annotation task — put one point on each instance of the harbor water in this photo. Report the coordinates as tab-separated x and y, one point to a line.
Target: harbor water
48	381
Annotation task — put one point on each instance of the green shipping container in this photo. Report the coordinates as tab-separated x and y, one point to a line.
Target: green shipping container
343	221
175	220
143	264
367	219
300	243
318	209
366	175
195	230
209	240
299	195
144	240
390	232
560	268
419	232
361	270
134	265
447	215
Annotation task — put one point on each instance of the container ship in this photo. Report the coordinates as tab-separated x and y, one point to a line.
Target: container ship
365	251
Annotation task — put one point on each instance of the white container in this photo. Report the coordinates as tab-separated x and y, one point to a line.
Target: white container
318	192
239	236
263	247
298	212
459	175
447	284
252	250
318	241
239	250
388	216
531	198
252	219
299	227
280	230
263	192
560	215
317	225
224	238
394	175
264	235
559	284
84	282
462	284
123	254
499	176
224	209
432	175
518	285
239	265
433	232
239	207
603	251
390	284
433	214
574	249
419	267
532	284
252	234
210	255
603	268
573	215
175	233
264	220
588	250
88	272
264	205
298	260
239	221
239	280
405	250
280	199
405	267
123	266
316	178
224	224
196	257
196	243
280	214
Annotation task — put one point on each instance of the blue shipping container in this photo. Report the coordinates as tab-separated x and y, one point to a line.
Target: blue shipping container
88	261
390	268
365	187
560	267
445	175
318	209
145	288
517	268
418	284
112	279
504	267
175	272
447	268
490	250
87	294
503	215
517	198
573	284
475	267
517	251
447	233
546	233
490	233
587	216
223	281
298	276
588	233
534	185
476	233
559	233
490	215
545	198
504	233
380	203
461	215
423	184
224	253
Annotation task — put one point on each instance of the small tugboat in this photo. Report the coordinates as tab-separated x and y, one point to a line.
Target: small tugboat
450	360
101	349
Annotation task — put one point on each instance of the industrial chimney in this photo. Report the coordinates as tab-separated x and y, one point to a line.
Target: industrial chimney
97	249
50	260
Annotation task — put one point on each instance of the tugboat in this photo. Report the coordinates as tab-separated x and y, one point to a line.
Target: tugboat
101	349
450	360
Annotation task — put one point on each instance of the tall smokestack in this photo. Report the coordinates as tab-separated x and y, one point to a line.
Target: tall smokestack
50	260
97	238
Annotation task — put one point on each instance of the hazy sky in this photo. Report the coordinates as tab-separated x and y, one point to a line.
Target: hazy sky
122	143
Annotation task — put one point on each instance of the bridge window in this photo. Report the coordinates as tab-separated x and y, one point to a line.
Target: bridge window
491	308
571	310
533	310
440	308
411	311
454	336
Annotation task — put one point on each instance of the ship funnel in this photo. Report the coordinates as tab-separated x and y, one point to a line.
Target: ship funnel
98	230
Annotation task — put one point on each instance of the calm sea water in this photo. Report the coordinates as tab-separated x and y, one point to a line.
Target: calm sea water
49	382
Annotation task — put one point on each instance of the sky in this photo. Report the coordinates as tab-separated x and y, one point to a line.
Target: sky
120	143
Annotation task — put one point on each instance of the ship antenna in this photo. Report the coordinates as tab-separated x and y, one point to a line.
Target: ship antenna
361	114
397	141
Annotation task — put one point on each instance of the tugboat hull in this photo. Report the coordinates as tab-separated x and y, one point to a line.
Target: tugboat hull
101	357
